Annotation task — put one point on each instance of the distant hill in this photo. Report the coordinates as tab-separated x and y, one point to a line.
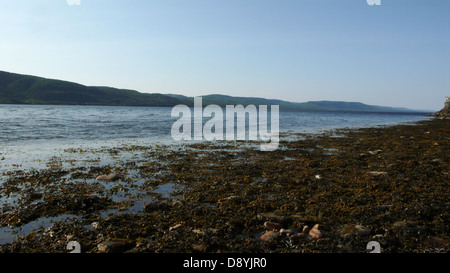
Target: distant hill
25	89
333	106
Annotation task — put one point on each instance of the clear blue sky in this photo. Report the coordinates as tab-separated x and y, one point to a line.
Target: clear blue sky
395	54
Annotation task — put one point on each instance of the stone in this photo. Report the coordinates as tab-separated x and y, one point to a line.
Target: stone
305	229
436	160
272	217
95	225
269	236
403	224
107	178
199	231
298	236
272	225
375	152
141	242
115	246
378	174
315	233
436	242
200	247
175	227
287	232
356	229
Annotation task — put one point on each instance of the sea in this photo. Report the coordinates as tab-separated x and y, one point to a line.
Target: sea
30	132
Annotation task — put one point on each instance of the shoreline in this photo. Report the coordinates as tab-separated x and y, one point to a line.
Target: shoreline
333	193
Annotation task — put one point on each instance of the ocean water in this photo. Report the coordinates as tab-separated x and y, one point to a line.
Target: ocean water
58	125
33	134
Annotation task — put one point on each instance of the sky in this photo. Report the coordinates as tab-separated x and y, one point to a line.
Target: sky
393	54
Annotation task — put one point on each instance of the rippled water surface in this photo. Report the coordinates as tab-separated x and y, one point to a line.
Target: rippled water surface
63	124
31	135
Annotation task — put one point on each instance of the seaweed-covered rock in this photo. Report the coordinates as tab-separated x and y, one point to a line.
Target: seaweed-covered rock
444	112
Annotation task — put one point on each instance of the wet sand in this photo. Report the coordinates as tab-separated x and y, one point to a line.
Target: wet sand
334	192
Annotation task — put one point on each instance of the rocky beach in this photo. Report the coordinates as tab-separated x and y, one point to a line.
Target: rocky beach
318	193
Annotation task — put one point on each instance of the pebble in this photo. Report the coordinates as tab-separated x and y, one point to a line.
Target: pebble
272	217
115	246
356	229
315	233
403	224
287	232
200	247
108	178
378	174
436	242
199	231
298	236
95	225
272	225
269	236
175	227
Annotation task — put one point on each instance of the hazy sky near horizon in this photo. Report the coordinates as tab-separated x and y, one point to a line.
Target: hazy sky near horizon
394	54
